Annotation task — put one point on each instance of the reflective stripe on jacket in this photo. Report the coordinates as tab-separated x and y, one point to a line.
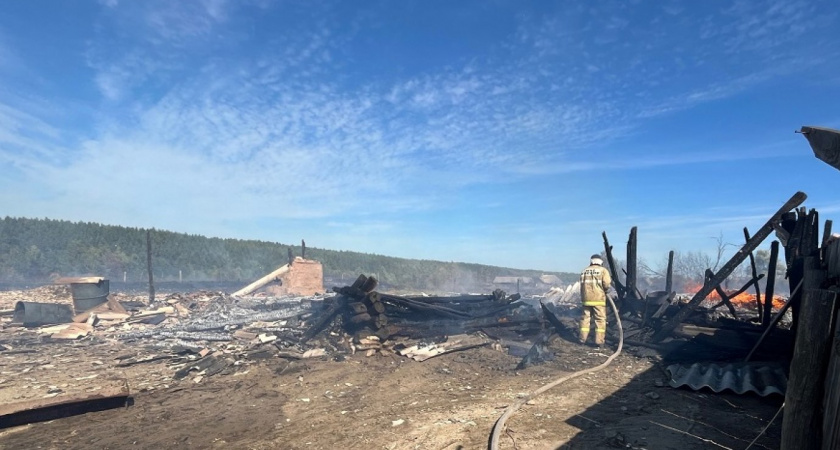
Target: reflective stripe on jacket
594	283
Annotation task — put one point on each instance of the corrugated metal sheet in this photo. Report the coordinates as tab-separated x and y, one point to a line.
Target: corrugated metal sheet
826	144
762	378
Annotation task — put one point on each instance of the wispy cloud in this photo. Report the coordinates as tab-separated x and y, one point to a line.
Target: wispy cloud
204	102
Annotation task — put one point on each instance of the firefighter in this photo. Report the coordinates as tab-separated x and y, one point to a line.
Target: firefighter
594	285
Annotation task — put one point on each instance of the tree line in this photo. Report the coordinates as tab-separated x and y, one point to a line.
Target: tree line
40	250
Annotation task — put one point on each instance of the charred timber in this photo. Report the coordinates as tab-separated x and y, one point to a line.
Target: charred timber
631	263
723	297
770	288
730	266
754	275
801	427
619	288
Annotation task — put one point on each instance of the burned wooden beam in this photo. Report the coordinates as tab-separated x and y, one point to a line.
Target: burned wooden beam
754	275
741	290
801	427
669	274
631	264
619	288
770	287
338	303
724	299
727	269
273	276
424	307
45	409
773	322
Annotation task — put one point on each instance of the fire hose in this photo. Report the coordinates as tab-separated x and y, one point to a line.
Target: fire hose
500	423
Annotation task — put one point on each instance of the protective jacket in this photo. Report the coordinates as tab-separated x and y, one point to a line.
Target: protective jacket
594	283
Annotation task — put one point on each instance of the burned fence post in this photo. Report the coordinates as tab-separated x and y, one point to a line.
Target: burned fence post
801	427
620	289
631	263
826	233
759	310
727	269
149	266
669	274
770	288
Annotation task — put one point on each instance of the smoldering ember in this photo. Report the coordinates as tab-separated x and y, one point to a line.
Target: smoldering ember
286	362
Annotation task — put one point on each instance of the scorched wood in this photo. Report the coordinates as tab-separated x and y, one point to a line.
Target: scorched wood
770	288
620	289
754	275
727	269
42	410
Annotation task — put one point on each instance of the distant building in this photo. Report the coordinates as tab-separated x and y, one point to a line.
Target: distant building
513	280
552	280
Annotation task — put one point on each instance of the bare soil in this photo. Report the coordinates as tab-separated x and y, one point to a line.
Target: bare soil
378	402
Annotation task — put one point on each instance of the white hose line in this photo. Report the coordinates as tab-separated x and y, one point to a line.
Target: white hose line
500	423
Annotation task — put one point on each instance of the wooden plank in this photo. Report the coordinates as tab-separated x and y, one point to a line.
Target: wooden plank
273	276
45	409
727	269
831	408
801	425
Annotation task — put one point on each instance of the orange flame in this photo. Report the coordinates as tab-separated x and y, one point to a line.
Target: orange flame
743	299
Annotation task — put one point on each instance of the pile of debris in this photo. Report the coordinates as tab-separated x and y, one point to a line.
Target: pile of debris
207	333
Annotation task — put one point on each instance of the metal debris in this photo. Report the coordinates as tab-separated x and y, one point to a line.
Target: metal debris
761	378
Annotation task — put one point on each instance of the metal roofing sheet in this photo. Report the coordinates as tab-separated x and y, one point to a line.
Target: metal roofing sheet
761	378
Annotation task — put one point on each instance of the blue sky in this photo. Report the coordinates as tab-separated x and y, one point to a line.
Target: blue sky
499	132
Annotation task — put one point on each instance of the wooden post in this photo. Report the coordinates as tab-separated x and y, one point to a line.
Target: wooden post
801	426
669	274
149	265
831	410
631	263
826	233
619	288
727	269
770	288
754	275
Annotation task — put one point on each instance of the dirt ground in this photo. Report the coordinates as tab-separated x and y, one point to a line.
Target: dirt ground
380	402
